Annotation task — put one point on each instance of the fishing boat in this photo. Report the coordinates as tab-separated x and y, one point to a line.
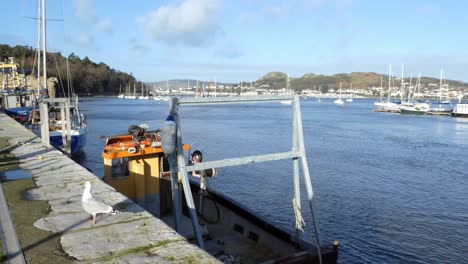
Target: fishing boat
152	168
16	99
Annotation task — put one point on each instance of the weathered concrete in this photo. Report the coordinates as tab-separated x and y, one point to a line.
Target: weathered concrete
133	235
8	236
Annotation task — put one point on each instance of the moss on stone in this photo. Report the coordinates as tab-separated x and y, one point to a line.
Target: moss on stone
38	246
6	157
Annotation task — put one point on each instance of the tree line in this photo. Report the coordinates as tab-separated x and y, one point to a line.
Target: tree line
83	76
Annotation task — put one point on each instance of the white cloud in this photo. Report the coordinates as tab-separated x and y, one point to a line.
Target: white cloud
84	11
86	14
105	25
229	51
192	22
85	39
138	46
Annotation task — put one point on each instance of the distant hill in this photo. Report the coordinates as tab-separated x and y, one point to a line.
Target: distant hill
359	80
88	77
182	83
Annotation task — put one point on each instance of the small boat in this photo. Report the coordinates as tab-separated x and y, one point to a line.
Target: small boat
141	166
443	106
161	98
78	126
288	92
460	110
386	106
339	101
415	109
16	99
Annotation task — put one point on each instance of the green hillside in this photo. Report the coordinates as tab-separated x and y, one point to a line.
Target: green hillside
86	76
358	80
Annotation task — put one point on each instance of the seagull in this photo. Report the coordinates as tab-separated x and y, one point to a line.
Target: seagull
93	205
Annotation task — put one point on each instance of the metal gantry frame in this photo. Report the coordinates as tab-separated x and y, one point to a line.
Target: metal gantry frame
297	154
64	105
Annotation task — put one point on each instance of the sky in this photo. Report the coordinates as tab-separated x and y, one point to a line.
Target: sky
242	40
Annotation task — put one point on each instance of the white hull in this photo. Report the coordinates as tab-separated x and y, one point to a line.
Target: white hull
339	102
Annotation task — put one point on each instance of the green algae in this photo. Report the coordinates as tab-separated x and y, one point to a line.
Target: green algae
39	246
6	158
145	249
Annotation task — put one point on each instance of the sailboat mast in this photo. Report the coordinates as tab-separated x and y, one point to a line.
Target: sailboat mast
440	85
409	87
389	81
340	90
381	87
402	81
44	42
38	47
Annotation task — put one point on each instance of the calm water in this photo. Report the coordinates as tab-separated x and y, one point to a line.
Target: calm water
392	188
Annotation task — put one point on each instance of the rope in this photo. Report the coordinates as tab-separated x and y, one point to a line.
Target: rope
58	73
300	223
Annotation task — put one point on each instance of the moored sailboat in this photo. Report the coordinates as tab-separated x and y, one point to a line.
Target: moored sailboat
387	105
62	134
339	101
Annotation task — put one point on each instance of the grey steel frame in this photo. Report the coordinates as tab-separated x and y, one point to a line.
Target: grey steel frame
64	104
296	154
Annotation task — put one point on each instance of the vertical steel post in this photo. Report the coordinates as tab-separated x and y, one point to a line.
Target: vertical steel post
185	180
44	113
305	171
44	48
295	161
174	177
68	121
64	124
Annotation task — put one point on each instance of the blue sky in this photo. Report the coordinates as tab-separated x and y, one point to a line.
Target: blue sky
243	40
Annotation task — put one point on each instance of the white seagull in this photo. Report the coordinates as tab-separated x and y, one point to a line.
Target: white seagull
93	205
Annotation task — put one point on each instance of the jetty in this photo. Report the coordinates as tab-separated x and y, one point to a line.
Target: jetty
59	229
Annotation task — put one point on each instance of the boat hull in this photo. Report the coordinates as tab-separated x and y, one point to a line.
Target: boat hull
412	112
78	140
459	115
235	218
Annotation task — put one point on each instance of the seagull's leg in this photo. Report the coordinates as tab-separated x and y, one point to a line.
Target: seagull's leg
94	219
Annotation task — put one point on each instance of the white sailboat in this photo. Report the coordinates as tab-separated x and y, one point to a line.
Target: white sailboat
76	131
387	105
121	95
350	99
444	105
288	92
339	101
